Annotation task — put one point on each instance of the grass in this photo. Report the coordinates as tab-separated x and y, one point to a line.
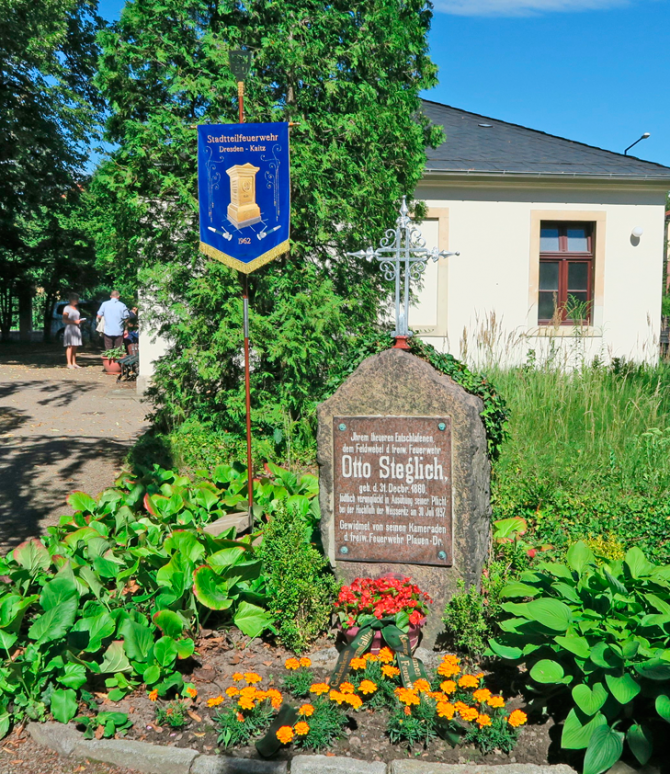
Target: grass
588	453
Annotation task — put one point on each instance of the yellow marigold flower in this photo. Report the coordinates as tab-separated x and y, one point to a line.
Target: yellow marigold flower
291	663
285	734
468	681
191	692
460	706
346	688
246	702
305	662
153	695
357	663
421	685
481	695
483	720
306	710
496	702
517	718
479	675
407	711
232	691
301	728
237	676
371	657
447	669
386	655
390	671
446	710
355	702
366	687
405	696
215	701
469	713
319	688
260	695
275	697
249	690
252	677
448	686
337	696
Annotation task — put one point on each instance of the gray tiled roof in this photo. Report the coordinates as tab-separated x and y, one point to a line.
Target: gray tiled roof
503	148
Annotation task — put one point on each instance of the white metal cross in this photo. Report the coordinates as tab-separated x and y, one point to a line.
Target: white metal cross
403	246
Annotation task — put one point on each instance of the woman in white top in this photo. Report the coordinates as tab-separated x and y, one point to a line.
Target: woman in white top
72	334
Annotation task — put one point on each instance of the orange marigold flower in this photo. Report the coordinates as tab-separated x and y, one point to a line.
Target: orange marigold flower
483	720
319	688
407	711
237	676
469	713
301	728
355	702
191	692
517	718
215	701
357	663
232	691
153	695
447	669
285	734
249	690
386	655
371	657
481	695
405	696
337	696
496	702
437	695
306	710
240	717
347	688
446	710
421	685
366	687
460	706
479	675
275	697
448	686
305	662
468	681
390	671
252	677
291	663
246	702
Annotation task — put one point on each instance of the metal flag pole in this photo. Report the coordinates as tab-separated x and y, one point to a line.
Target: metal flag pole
240	64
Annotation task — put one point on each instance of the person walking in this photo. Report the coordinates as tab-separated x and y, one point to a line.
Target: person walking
72	333
114	313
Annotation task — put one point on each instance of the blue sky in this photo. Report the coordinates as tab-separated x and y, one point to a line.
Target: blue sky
598	75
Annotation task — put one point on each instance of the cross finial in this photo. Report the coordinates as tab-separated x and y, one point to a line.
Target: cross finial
402	246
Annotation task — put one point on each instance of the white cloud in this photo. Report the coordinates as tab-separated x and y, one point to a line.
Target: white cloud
521	7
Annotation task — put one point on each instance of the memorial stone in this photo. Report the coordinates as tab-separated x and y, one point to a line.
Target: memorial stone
405	479
243	210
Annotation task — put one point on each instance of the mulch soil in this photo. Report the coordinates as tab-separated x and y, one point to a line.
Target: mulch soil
220	654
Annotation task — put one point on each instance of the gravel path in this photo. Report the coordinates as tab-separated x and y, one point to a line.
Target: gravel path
60	430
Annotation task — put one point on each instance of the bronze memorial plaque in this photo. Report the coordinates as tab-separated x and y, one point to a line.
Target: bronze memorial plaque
392	489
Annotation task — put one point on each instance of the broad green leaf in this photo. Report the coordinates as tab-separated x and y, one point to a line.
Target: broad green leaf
169	622
579	556
637	563
589	700
152	674
137	639
518	589
550	613
641	743
603	656
97	628
74	676
57	592
567	592
210	590
654	669
80	501
505	651
5	724
61	598
547	671
251	620
577	645
32	556
7	639
63	705
115	660
508	529
225	558
604	750
663	707
185	543
243	571
577	733
185	648
165	651
624	688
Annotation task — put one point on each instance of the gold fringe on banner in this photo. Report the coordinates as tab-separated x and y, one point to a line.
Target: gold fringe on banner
245	268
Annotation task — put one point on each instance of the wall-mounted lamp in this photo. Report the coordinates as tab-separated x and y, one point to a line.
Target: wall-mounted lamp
637	232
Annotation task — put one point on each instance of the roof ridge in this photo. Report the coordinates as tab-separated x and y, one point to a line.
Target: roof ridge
546	134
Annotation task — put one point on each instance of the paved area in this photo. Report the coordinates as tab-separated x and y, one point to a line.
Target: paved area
60	430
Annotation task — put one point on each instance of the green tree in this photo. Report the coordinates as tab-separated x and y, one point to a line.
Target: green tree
48	113
349	76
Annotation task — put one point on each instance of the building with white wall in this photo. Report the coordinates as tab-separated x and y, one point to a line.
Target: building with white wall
561	245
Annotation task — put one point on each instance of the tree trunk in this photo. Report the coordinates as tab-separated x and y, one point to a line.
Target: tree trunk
25	296
49	299
6	308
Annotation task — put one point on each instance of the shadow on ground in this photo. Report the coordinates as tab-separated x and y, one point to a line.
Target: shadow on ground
47	355
57	394
23	502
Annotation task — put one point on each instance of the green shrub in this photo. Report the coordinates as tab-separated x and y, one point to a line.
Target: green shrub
174	714
596	637
299	582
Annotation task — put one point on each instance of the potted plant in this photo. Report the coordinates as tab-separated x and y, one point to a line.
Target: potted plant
380	602
110	357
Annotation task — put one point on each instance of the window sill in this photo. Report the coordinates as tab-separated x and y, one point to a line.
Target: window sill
565	331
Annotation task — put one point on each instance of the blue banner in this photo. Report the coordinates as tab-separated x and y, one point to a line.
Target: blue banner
244	190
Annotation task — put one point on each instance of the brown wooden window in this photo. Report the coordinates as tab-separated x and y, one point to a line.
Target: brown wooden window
566	273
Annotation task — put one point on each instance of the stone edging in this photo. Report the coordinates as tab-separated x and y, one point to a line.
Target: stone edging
154	759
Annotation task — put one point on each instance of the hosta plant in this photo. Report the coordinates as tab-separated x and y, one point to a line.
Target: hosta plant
598	637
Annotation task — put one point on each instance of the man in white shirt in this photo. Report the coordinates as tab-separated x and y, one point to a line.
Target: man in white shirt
115	313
